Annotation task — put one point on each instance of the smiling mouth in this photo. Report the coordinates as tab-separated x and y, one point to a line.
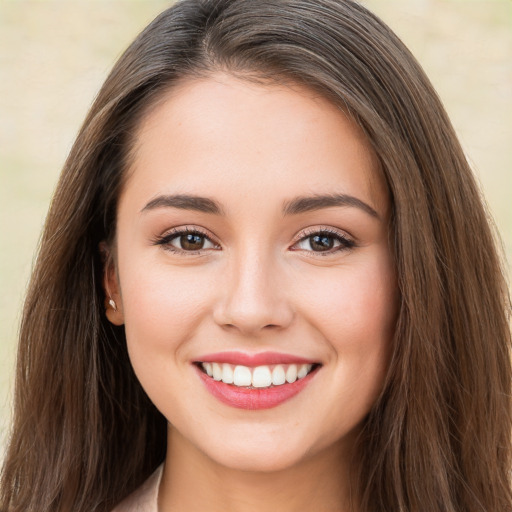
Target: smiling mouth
259	377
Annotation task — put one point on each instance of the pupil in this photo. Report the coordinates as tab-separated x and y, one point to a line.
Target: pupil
321	242
191	241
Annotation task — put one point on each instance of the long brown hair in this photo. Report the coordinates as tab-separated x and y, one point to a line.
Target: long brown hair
439	438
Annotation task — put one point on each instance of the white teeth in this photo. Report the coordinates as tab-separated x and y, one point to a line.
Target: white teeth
208	369
291	373
217	371
259	377
227	373
303	371
242	376
278	375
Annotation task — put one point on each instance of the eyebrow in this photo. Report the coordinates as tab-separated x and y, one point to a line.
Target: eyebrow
318	202
295	206
185	202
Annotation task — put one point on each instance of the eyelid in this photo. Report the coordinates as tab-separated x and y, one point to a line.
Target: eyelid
313	230
347	242
175	232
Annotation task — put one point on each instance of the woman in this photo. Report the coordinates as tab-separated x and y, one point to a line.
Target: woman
264	264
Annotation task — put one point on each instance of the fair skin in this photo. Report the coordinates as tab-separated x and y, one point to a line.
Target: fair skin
315	283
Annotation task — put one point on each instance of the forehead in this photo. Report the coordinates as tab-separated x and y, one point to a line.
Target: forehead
204	130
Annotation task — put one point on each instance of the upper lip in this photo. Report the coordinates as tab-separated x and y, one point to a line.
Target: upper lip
257	359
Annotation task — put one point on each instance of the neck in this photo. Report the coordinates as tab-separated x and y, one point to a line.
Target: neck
194	482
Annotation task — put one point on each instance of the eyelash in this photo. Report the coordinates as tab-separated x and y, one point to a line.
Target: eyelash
166	239
345	243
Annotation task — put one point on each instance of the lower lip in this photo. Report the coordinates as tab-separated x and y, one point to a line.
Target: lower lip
254	398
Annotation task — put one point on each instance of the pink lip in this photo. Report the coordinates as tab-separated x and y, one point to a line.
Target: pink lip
252	360
254	398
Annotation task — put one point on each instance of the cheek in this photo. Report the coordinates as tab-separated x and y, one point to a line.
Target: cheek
356	305
356	315
163	308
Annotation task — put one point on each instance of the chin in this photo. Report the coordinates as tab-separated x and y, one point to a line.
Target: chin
257	455
258	463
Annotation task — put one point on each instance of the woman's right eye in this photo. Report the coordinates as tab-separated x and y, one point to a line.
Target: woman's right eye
190	241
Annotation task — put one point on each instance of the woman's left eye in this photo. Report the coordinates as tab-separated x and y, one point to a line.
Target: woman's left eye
186	241
324	242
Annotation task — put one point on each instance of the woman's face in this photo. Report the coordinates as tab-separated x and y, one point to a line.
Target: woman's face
253	232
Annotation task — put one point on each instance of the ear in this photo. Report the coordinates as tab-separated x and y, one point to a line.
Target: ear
112	302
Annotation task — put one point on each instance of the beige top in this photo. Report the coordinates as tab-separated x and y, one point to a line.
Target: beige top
145	498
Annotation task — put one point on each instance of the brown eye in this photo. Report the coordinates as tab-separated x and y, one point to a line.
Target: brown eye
191	241
186	240
325	242
321	242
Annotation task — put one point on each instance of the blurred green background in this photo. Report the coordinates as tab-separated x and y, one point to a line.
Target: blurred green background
54	55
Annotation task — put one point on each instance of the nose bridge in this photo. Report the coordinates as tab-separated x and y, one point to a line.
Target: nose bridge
254	297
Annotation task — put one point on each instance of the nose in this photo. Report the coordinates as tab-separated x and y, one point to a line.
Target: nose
253	297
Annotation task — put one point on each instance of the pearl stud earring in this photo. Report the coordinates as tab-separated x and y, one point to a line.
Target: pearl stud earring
112	304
